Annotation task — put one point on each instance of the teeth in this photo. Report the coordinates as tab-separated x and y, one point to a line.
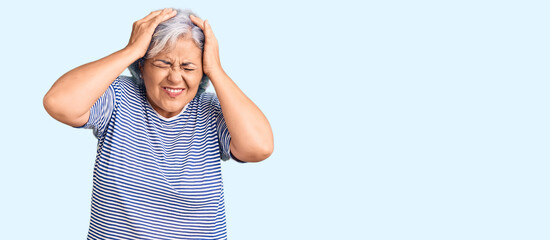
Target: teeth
174	90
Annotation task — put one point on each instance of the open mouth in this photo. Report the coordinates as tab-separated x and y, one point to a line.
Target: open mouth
173	92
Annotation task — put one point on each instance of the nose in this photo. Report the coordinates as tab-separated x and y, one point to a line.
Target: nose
175	77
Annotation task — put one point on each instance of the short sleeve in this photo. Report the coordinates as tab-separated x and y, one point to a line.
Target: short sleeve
101	111
224	138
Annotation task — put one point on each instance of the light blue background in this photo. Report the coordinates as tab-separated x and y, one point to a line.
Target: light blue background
392	119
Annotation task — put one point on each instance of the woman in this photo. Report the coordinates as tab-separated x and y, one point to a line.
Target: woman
160	136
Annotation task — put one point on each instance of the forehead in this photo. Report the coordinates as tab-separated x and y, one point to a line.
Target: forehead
182	49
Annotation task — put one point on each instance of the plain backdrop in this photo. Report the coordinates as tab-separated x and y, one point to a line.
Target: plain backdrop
392	119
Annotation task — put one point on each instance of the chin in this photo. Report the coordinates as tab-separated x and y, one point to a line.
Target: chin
174	108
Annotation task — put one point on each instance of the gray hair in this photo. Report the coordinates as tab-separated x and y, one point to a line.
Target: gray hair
166	34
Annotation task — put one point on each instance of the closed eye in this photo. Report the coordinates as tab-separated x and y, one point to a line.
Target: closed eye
161	64
166	64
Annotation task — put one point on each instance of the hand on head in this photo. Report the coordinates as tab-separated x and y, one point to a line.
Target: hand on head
143	29
211	56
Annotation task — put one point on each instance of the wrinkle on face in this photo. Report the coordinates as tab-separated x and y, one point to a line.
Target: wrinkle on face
176	67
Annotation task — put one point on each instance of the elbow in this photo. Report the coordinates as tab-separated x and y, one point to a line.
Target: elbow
263	153
51	105
51	108
267	152
257	155
48	104
58	111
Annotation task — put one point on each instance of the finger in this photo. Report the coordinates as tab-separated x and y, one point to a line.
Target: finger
151	15
207	29
165	15
209	33
197	21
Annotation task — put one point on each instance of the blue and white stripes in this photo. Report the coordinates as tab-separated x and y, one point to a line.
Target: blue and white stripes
223	132
157	178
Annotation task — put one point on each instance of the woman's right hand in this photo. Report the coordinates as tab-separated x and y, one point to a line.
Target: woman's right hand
143	29
71	97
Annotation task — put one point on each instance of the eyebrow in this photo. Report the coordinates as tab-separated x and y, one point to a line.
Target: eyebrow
167	62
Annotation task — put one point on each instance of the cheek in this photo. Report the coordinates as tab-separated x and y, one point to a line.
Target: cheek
194	79
151	85
153	77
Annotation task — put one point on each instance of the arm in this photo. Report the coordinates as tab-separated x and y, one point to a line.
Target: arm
70	98
251	134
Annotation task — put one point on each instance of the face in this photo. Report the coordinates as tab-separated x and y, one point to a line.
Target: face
172	77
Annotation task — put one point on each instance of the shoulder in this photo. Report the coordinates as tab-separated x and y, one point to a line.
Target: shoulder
127	83
207	99
207	96
126	87
208	105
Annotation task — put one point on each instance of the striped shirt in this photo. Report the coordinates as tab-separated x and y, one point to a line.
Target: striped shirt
154	177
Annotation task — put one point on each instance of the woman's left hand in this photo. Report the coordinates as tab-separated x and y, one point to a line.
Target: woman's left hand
211	56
